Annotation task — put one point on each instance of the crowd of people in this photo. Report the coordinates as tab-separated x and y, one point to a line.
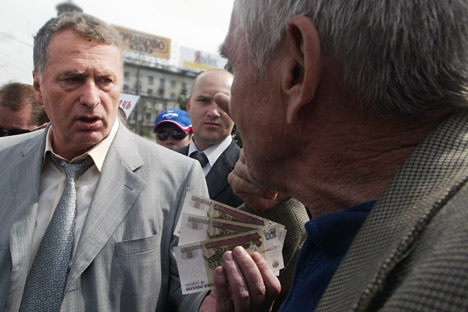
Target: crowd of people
354	122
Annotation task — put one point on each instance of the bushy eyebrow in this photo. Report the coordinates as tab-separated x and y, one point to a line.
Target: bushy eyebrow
72	73
69	73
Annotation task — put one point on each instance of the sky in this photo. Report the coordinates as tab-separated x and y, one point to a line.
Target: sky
196	24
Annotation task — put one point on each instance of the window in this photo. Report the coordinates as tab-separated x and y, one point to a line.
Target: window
150	80
161	92
125	88
126	75
148	117
173	96
150	91
162	81
173	84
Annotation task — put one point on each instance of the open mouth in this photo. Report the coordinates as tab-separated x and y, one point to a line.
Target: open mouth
89	119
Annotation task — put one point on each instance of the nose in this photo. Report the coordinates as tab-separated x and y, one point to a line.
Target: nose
90	94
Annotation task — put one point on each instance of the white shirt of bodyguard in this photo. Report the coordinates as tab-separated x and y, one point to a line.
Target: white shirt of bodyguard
52	183
212	153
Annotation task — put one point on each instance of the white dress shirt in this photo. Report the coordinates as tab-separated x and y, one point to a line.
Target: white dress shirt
52	183
212	153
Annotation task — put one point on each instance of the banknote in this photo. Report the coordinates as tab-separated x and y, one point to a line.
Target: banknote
221	211
191	266
193	228
214	249
220	228
198	228
197	261
194	205
207	229
273	238
201	206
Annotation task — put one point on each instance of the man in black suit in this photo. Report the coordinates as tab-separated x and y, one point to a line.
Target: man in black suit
212	143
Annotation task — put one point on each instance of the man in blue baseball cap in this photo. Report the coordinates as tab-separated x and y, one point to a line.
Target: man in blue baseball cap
173	128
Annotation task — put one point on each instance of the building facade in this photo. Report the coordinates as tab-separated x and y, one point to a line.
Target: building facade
159	87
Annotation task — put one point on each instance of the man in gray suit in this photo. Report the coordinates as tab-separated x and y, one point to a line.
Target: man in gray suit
212	129
125	205
359	110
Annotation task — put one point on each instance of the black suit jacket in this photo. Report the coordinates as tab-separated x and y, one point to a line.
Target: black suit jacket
218	186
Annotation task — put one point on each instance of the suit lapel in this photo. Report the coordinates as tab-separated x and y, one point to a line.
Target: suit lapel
118	189
24	181
425	182
216	179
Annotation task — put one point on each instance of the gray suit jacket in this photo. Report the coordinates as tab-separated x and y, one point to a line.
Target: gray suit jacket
411	254
123	261
218	185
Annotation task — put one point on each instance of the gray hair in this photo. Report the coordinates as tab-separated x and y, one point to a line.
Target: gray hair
398	57
84	25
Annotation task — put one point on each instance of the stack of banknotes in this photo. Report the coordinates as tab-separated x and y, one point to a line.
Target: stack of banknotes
207	229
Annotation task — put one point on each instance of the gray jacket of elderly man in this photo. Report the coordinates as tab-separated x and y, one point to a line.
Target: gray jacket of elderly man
411	254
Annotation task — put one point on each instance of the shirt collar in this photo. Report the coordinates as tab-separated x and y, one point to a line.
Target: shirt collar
214	151
98	153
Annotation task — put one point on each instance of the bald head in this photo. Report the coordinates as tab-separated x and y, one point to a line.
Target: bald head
211	124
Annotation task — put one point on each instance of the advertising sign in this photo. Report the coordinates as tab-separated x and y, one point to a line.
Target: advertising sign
199	60
139	42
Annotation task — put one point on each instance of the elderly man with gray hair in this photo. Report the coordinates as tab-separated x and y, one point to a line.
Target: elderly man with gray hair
359	110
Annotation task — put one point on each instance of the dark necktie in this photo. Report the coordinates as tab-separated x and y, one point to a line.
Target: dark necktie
201	157
46	280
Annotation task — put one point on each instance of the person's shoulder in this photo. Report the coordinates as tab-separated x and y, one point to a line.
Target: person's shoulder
231	153
158	152
183	150
18	141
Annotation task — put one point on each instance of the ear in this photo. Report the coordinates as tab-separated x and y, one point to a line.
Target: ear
37	88
303	68
188	105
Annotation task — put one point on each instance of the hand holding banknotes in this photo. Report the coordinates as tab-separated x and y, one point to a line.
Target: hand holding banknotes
234	253
255	197
243	283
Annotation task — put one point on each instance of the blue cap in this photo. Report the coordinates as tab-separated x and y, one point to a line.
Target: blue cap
175	116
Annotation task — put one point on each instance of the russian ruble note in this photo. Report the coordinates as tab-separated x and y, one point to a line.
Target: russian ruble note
220	228
201	206
193	228
221	211
191	266
199	228
196	261
194	205
274	239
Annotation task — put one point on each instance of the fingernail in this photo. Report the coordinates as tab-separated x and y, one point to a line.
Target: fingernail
219	271
227	256
239	251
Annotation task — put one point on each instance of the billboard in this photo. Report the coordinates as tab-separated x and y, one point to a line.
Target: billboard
135	41
199	60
